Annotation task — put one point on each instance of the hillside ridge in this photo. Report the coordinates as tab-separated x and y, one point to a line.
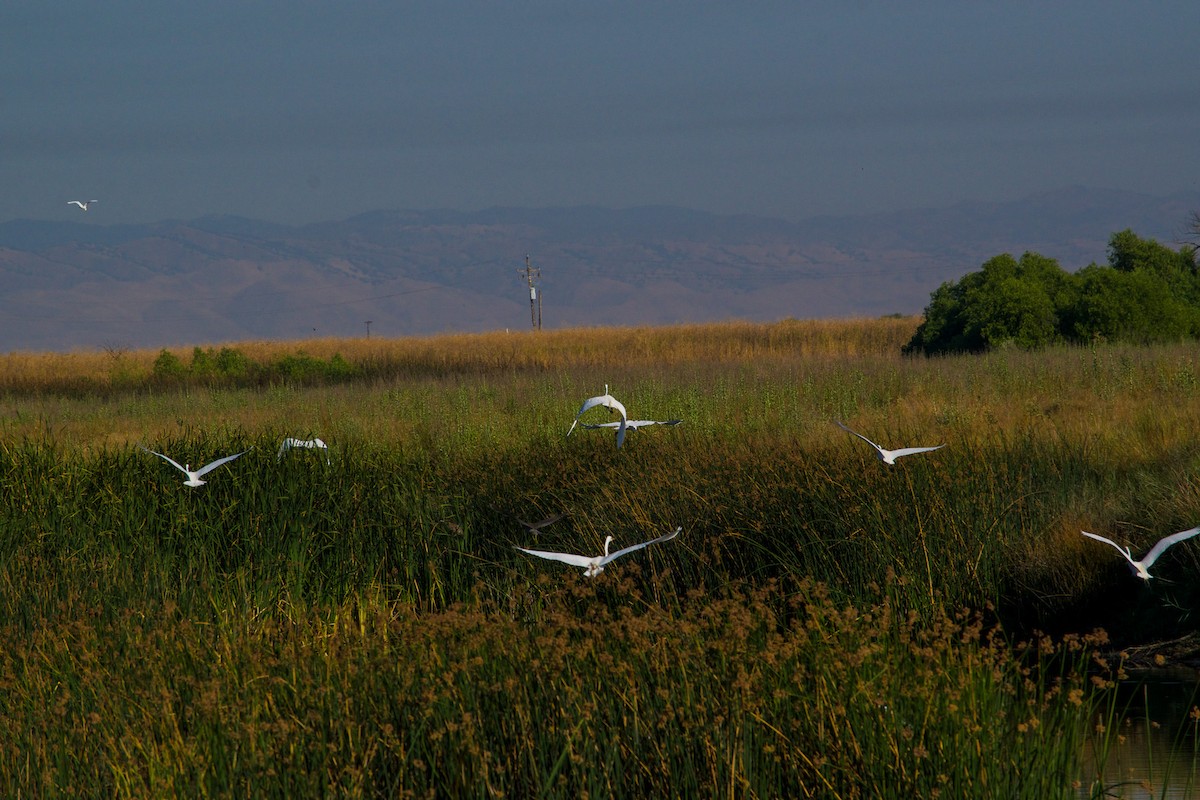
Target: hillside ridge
418	272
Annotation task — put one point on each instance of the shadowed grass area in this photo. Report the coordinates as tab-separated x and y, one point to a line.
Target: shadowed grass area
366	627
601	692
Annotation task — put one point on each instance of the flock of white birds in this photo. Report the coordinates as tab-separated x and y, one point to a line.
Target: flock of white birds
594	565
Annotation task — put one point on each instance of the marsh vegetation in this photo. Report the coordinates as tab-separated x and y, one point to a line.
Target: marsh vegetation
823	626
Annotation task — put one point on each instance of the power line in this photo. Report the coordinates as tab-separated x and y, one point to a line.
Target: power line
535	298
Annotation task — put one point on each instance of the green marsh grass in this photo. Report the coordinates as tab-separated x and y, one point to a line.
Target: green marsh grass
366	628
746	694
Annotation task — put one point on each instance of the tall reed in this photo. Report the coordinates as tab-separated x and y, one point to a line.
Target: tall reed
602	693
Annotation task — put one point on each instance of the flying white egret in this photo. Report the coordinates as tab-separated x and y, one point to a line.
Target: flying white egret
82	203
889	456
593	566
194	475
612	404
630	425
536	527
289	443
1141	568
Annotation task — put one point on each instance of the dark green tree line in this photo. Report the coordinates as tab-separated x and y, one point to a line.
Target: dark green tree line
1147	292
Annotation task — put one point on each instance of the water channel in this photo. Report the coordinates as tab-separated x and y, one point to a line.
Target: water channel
1155	750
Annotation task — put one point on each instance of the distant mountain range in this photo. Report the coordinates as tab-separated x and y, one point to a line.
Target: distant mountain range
215	279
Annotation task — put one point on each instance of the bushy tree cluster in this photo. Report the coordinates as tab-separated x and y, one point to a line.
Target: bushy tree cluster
231	366
1147	292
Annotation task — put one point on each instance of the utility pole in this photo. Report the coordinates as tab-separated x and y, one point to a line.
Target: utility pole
535	297
369	328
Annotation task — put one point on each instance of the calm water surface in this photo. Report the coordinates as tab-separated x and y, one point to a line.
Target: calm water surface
1157	754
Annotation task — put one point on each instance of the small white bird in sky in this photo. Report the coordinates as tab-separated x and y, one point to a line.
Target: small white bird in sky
889	456
593	566
1141	568
194	475
310	444
82	203
612	404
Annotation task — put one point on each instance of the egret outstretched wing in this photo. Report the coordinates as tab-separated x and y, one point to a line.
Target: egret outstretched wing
856	433
207	468
908	451
537	526
1122	550
631	425
632	547
606	400
567	558
168	459
309	444
1166	542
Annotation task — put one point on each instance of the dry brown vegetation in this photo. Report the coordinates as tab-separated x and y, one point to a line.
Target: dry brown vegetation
485	352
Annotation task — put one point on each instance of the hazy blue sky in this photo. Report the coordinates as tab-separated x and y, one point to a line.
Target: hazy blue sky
301	111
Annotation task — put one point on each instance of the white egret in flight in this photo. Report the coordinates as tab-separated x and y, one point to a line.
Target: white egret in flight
630	425
609	402
194	475
889	456
1141	568
594	565
536	527
82	203
289	443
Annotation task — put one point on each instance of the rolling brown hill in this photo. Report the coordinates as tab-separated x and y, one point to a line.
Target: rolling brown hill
70	285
